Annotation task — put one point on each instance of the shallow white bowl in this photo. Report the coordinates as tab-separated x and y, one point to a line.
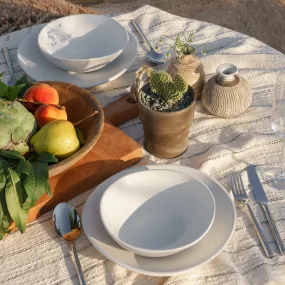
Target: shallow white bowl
157	213
82	43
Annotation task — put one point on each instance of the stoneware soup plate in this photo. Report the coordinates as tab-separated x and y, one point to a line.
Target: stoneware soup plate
157	213
82	43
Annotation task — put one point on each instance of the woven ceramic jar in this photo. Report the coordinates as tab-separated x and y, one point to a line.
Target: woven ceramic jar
191	68
227	94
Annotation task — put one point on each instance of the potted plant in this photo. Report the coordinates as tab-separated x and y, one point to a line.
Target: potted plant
185	62
166	109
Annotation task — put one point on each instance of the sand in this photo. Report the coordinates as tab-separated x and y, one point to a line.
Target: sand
262	19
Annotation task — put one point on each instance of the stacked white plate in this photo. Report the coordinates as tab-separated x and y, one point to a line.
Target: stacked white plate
85	50
172	211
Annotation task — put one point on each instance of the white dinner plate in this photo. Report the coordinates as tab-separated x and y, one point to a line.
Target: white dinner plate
203	251
34	63
157	213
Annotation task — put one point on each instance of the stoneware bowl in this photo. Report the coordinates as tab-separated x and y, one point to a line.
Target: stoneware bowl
79	104
157	213
82	43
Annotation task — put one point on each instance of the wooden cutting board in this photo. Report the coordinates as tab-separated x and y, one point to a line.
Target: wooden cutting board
113	152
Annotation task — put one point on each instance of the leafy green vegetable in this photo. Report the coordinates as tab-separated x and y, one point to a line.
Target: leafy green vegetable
36	183
42	178
11	154
22	167
29	183
22	180
2	179
23	80
46	157
4	215
3	163
22	183
11	92
14	199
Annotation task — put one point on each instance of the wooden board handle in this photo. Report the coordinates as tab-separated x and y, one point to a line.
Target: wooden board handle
120	111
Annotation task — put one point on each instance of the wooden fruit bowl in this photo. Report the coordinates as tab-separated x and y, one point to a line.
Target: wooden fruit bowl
79	104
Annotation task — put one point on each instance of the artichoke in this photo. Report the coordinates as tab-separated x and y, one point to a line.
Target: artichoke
17	125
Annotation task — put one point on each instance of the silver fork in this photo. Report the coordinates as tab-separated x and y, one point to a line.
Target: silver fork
12	79
241	197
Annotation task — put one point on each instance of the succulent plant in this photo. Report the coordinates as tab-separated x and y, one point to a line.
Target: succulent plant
17	125
170	90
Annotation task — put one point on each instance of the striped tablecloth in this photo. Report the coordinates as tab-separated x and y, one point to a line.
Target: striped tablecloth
216	146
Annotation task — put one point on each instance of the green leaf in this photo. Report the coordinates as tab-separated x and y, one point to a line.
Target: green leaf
4	216
28	202
22	167
2	179
4	164
3	87
13	91
80	136
10	154
42	178
27	84
178	42
29	183
14	199
23	80
46	157
10	92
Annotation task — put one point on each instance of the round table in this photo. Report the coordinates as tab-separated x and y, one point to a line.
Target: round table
216	146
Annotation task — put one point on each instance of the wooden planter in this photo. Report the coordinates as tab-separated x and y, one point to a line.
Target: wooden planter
166	133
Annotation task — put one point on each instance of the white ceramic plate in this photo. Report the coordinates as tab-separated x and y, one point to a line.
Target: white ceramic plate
157	213
33	62
202	252
82	43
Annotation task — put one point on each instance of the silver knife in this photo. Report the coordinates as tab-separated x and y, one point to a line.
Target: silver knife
260	197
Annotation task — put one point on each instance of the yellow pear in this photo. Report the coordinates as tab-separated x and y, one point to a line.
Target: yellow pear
57	137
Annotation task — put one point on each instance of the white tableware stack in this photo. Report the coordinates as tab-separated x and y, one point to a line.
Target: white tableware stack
86	50
159	220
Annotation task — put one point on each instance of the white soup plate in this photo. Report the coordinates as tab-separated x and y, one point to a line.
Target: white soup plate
34	63
157	213
201	252
82	43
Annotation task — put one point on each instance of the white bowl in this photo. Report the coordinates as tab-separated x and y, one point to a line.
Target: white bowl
157	213
82	43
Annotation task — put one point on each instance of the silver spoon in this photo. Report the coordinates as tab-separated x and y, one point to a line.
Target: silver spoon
67	225
152	55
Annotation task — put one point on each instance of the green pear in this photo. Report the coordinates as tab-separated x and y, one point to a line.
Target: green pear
58	138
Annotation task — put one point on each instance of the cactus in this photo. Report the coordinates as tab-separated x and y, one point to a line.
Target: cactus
157	81
180	84
169	90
